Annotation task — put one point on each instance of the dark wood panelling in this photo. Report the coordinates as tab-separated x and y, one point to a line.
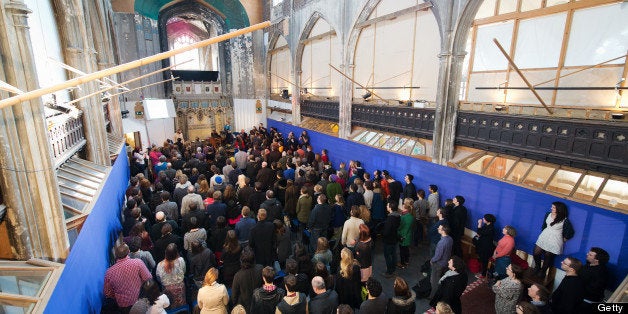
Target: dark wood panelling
408	121
320	110
592	145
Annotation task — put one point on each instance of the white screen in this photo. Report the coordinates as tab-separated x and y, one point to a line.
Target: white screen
159	109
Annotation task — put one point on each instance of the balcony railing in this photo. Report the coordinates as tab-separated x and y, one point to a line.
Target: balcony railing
66	136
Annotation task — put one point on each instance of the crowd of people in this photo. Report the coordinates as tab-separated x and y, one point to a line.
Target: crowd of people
262	224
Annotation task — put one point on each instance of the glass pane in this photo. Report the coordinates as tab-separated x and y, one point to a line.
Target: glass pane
73	202
357	138
399	144
530	5
373	142
71	177
85	171
391	142
588	187
407	149
90	164
75	194
68	213
507	6
480	163
564	181
75	186
615	194
10	309
519	171
22	282
381	141
499	167
538	176
419	149
368	137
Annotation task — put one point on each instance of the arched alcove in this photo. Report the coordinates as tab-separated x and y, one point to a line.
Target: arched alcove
280	66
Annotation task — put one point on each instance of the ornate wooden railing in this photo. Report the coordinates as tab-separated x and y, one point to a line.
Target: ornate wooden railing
66	136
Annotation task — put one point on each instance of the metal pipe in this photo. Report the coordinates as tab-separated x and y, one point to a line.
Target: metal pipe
559	88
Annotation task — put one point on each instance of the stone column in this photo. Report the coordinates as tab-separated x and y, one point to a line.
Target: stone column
296	98
35	218
447	106
75	38
345	103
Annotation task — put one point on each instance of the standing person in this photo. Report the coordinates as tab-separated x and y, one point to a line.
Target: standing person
294	301
390	239
434	202
376	301
483	242
405	236
263	240
246	280
421	207
409	191
304	206
508	290
266	298
319	220
451	285
501	256
351	228
323	253
378	207
324	301
440	258
394	187
364	253
230	256
594	277
433	233
244	226
539	297
124	279
556	230
404	299
348	280
212	297
458	220
171	274
567	298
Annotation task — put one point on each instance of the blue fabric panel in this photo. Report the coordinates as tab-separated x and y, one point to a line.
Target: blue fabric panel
513	205
80	288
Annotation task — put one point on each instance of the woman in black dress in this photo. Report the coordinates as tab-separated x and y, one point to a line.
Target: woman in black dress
348	284
452	285
484	241
230	258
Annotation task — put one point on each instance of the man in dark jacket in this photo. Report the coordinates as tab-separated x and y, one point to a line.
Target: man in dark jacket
409	191
167	237
272	206
389	236
262	240
216	209
376	301
594	277
319	221
257	197
266	298
325	301
294	301
266	176
394	187
569	294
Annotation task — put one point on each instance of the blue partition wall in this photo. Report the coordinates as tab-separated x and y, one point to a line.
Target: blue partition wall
80	288
513	205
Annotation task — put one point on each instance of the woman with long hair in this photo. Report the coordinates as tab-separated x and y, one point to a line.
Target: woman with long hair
233	207
212	297
203	188
291	198
364	253
284	245
323	253
139	230
151	300
171	274
551	240
348	280
508	290
300	254
231	251
403	299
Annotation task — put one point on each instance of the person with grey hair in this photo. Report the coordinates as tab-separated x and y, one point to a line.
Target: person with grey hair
324	301
191	197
